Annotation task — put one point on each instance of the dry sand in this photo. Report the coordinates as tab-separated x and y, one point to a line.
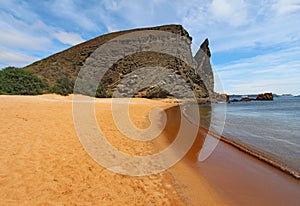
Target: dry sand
43	162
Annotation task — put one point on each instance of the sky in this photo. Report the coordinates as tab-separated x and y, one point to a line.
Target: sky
255	44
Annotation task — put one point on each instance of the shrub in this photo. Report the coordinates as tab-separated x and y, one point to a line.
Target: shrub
63	86
101	92
16	81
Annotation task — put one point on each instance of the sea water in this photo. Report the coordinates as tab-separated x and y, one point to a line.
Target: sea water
270	128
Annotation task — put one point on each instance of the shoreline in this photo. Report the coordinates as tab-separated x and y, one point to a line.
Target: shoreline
193	185
257	155
249	151
243	179
238	178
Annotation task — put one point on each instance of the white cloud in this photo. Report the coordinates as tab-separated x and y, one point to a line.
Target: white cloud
112	5
18	39
232	12
278	86
231	26
286	6
66	9
14	58
19	9
16	33
68	37
277	72
131	13
30	37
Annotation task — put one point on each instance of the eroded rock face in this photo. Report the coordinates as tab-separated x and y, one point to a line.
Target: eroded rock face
204	67
195	72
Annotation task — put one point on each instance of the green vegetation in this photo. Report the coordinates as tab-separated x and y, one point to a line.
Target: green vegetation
101	92
63	86
18	81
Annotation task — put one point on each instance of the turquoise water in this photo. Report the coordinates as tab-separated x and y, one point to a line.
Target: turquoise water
271	128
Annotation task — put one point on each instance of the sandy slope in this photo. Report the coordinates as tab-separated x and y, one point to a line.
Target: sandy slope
43	163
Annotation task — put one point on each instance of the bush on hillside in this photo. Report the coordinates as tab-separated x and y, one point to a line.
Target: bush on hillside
16	81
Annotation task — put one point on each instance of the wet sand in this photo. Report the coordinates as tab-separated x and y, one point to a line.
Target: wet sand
240	179
194	185
244	180
43	163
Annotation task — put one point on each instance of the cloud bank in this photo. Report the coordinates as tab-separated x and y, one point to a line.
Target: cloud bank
255	44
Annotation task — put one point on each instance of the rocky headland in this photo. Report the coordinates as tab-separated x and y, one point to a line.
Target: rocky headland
195	70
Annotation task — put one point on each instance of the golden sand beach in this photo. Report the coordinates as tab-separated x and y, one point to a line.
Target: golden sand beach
43	162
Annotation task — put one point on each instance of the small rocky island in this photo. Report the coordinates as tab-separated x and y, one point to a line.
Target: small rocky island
259	97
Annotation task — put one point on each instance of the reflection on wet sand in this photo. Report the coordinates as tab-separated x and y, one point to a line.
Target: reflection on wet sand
239	178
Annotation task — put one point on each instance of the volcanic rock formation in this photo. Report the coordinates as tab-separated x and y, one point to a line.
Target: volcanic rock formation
123	74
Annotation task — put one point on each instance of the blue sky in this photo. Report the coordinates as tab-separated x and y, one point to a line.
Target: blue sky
255	44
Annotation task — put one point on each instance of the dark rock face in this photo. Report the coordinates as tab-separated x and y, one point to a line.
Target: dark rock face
195	71
205	48
265	96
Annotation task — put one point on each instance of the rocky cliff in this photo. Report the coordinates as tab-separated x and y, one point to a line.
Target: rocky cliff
195	71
